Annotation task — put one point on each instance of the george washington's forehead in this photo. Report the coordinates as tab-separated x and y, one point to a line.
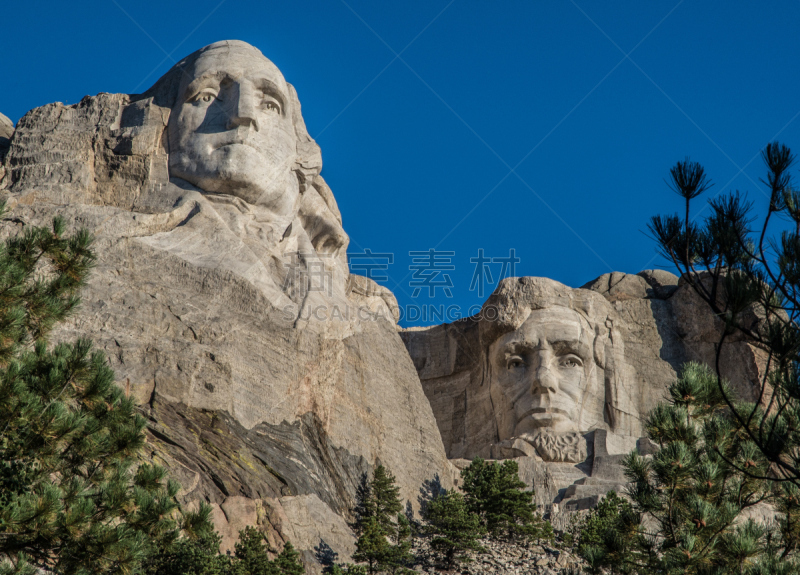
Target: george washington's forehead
238	56
232	61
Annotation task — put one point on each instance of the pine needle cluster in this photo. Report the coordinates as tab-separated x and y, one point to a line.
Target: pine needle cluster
73	498
691	498
749	277
384	533
496	494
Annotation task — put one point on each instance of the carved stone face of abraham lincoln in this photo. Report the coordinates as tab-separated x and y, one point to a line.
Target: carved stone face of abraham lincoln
540	373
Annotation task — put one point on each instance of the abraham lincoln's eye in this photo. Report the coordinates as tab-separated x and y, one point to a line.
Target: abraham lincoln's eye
515	362
570	361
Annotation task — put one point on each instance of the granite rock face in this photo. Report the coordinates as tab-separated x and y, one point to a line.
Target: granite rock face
6	131
560	379
272	378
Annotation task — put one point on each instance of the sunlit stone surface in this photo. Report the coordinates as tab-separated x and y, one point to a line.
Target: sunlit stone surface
273	379
561	379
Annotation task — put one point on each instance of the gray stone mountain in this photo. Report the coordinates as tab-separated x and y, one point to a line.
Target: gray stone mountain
6	131
561	379
272	378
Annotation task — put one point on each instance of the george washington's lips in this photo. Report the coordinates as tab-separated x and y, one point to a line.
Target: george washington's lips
241	136
236	142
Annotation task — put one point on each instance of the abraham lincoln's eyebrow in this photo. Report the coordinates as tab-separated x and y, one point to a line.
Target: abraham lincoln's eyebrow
559	344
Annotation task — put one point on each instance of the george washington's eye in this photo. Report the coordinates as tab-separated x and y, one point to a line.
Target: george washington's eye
515	362
204	97
570	361
271	105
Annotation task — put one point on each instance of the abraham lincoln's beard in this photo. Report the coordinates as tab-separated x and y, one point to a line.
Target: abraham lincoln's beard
567	447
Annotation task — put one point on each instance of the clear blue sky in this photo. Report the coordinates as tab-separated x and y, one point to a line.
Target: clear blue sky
546	127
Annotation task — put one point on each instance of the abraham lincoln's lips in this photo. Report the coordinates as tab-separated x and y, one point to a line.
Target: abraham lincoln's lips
553	410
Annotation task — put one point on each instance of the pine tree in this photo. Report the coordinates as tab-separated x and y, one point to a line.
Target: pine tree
288	561
749	279
593	528
72	498
196	553
251	554
386	498
372	545
455	530
688	498
199	555
384	534
400	553
495	493
365	504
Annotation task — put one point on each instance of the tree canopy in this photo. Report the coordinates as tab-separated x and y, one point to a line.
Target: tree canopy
494	491
73	498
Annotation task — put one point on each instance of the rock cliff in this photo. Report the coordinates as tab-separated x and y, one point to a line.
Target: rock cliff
272	379
632	334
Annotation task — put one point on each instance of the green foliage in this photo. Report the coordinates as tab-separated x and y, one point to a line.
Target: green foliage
749	278
41	273
399	553
72	499
455	530
495	501
287	562
601	519
495	493
372	546
385	498
688	498
250	553
197	554
384	534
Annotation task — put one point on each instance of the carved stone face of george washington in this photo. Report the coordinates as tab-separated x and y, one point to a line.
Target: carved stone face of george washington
231	130
540	373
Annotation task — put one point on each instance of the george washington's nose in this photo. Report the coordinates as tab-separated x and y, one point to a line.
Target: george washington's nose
243	106
543	380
